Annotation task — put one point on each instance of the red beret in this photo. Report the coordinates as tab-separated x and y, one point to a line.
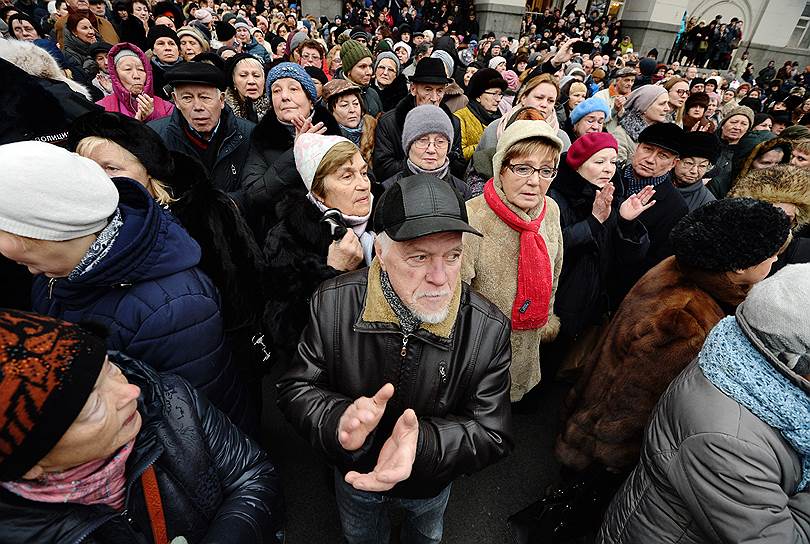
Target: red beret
585	146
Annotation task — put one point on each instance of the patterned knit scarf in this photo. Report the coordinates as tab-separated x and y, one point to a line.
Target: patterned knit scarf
407	321
96	482
634	184
735	367
633	123
534	281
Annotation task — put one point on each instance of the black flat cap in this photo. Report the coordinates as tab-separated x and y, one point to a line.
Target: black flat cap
420	205
667	136
198	73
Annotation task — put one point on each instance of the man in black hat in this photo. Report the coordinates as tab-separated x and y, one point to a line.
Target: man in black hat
428	84
699	151
201	125
401	378
659	146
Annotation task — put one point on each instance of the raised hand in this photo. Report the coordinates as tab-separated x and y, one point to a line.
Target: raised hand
362	417
637	204
603	202
396	458
146	105
303	125
564	53
345	254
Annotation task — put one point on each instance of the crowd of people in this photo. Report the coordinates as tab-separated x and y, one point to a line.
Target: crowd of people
409	225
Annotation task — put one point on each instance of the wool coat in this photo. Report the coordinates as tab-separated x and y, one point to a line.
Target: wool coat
490	265
657	331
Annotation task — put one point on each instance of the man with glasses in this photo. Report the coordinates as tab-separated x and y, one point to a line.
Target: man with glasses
310	53
427	87
659	146
426	139
699	150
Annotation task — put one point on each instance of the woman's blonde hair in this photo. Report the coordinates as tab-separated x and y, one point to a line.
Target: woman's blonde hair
535	82
337	156
90	144
540	148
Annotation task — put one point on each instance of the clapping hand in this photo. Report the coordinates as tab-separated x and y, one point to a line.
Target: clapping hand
362	417
146	105
637	203
303	125
396	458
603	202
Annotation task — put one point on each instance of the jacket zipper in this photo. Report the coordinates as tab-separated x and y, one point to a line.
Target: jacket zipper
51	283
125	512
404	350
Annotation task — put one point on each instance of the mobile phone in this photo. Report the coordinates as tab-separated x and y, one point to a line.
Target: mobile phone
582	48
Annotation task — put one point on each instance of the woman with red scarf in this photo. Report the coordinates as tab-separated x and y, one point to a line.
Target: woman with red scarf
517	263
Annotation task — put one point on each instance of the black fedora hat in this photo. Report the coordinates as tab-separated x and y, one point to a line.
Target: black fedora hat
430	70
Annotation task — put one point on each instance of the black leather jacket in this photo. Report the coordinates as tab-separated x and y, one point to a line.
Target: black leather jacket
455	376
216	485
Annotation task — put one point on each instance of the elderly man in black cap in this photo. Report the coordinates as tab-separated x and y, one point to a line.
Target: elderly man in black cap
427	87
401	377
699	151
201	125
658	149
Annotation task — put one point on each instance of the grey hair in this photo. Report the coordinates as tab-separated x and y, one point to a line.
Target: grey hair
385	242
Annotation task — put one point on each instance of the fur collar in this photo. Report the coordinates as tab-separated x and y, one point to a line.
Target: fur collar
377	310
270	134
727	294
37	62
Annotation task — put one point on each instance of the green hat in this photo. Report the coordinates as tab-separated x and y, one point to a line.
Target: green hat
352	52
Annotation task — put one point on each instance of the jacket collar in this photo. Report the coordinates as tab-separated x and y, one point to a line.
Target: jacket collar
726	293
378	314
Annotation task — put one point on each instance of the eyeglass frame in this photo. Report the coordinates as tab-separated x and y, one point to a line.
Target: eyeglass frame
430	141
500	94
512	166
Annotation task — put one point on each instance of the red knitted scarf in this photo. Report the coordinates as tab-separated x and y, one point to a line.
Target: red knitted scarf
534	282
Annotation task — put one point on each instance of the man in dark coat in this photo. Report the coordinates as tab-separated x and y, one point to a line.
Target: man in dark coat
448	354
427	87
658	148
202	126
129	439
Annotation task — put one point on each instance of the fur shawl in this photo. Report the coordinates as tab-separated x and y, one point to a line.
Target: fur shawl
38	63
657	331
489	265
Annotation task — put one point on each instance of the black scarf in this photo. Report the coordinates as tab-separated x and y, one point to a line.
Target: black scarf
481	114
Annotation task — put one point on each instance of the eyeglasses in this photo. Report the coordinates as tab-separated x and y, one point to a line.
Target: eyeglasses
690	164
425	141
682	92
527	170
496	94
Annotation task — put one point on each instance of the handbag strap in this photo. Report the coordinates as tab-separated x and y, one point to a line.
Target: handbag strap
154	506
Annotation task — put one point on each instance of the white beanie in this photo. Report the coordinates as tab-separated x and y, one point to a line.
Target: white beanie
49	193
495	61
309	151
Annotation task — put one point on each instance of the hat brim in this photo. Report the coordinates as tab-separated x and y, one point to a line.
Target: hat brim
190	81
429	79
417	227
669	147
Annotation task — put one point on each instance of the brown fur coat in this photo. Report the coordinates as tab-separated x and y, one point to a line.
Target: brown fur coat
490	265
656	332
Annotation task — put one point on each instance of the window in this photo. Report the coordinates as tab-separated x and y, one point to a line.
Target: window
800	37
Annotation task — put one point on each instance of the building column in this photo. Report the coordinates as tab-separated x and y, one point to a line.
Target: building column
652	24
325	8
503	17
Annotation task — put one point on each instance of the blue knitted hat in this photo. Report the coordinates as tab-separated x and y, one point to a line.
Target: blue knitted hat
294	71
589	106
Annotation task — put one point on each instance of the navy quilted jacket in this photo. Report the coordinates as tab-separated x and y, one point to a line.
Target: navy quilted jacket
158	306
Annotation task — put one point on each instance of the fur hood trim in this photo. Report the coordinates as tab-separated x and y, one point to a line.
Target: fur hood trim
783	183
762	148
38	63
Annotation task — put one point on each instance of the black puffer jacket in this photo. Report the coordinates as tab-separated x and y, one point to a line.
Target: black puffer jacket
592	250
454	375
216	485
389	157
